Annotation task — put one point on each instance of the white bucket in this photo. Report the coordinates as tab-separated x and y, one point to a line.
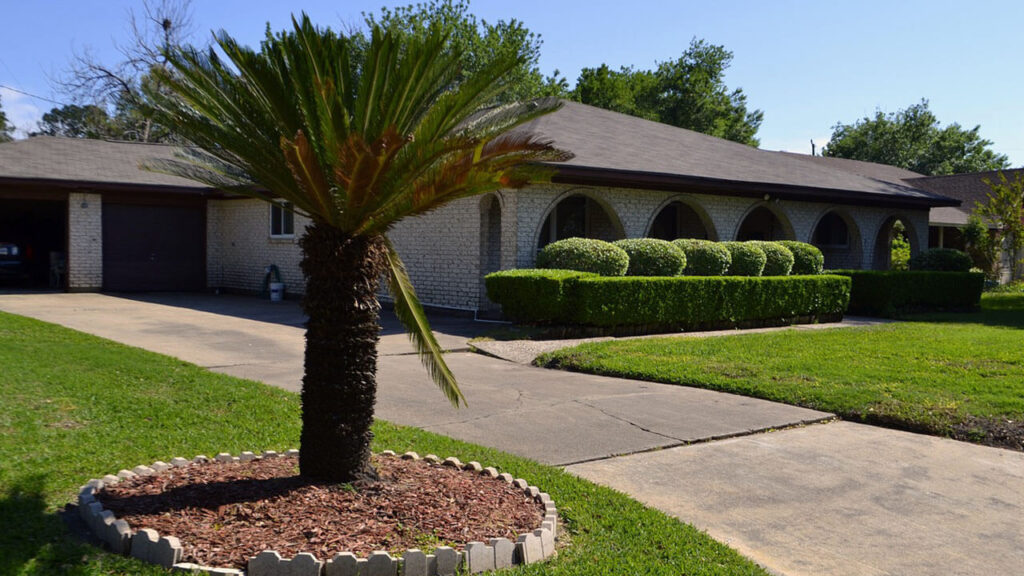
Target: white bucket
276	291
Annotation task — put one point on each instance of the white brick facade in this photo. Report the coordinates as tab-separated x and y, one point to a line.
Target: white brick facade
448	251
239	246
85	242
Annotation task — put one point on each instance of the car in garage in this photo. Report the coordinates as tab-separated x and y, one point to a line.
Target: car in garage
13	261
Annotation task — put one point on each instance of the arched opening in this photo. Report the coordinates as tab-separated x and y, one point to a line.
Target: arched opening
490	246
763	224
837	237
680	220
579	216
894	244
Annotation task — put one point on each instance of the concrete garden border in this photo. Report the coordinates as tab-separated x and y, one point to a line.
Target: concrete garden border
147	545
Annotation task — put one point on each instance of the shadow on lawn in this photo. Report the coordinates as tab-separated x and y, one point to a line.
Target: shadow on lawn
25	526
1005	310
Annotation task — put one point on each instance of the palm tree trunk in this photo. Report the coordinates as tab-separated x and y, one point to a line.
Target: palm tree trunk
339	387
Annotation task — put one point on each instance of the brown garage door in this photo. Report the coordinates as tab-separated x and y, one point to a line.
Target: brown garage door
153	247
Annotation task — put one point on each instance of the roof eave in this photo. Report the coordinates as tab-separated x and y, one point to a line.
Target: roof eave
590	176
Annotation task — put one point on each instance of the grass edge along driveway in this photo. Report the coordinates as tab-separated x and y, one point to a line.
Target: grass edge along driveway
77	407
955	375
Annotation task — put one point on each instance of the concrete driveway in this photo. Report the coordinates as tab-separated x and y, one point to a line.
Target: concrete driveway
786	486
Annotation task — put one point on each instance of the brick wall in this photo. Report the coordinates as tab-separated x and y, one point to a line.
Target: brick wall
448	251
239	247
85	242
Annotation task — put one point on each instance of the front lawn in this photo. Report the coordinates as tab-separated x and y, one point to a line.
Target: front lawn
958	375
76	407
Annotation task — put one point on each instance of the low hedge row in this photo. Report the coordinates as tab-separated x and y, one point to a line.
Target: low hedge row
666	303
690	257
890	292
536	296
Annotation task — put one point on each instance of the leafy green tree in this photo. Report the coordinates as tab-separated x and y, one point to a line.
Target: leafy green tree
1005	209
899	256
6	129
479	42
73	121
979	245
913	139
356	144
688	92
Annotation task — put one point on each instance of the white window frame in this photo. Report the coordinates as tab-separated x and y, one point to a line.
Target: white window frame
280	210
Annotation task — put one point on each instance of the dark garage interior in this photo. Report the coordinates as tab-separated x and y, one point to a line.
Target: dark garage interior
39	230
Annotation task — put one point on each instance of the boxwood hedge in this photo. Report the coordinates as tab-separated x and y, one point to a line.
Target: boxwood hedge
891	293
652	257
807	258
584	255
747	259
639	304
942	259
539	296
704	257
778	258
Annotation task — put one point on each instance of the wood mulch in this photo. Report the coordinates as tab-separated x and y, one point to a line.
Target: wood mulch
223	514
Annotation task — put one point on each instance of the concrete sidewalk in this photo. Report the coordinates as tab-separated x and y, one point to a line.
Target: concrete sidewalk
829	498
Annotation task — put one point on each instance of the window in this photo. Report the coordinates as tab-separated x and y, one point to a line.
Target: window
282	220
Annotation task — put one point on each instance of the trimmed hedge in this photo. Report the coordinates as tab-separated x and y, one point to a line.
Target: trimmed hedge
704	257
584	255
652	257
807	258
778	258
892	292
942	259
533	295
640	304
747	259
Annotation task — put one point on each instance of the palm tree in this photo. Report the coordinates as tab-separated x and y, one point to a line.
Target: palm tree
356	137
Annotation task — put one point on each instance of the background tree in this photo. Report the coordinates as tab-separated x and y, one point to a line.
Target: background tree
74	121
479	43
979	245
688	92
1005	209
356	142
913	139
119	88
6	128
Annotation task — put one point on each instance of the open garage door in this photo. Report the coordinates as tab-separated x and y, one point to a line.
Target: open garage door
33	240
154	247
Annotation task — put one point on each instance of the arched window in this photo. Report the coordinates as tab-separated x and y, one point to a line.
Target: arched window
678	220
762	224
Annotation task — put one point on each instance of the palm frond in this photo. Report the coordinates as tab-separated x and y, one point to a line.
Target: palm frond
410	312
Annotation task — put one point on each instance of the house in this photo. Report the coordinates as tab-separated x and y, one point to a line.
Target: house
123	228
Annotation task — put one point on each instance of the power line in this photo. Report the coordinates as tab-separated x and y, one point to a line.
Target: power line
30	95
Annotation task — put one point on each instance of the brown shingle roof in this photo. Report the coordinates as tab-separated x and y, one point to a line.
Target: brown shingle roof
83	162
617	144
970	189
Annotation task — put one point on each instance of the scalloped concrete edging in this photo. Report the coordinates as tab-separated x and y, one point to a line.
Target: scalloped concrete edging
147	545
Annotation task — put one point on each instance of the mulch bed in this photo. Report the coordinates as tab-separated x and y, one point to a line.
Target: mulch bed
226	513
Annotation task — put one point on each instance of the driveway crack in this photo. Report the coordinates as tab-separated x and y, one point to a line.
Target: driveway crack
627	421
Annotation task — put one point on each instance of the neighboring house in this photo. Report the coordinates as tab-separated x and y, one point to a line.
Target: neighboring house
629	178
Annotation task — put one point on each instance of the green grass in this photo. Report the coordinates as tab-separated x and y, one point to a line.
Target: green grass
77	407
959	375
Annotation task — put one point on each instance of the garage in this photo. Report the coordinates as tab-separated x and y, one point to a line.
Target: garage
155	244
33	241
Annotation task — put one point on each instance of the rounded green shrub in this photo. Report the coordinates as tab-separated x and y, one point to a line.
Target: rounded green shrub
778	258
747	259
807	258
704	257
584	255
652	257
941	260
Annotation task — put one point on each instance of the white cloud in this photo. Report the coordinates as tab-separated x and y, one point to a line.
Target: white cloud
20	110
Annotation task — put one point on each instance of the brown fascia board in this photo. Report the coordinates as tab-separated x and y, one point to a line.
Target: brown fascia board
588	176
121	187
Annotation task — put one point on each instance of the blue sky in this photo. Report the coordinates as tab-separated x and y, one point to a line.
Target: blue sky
806	64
